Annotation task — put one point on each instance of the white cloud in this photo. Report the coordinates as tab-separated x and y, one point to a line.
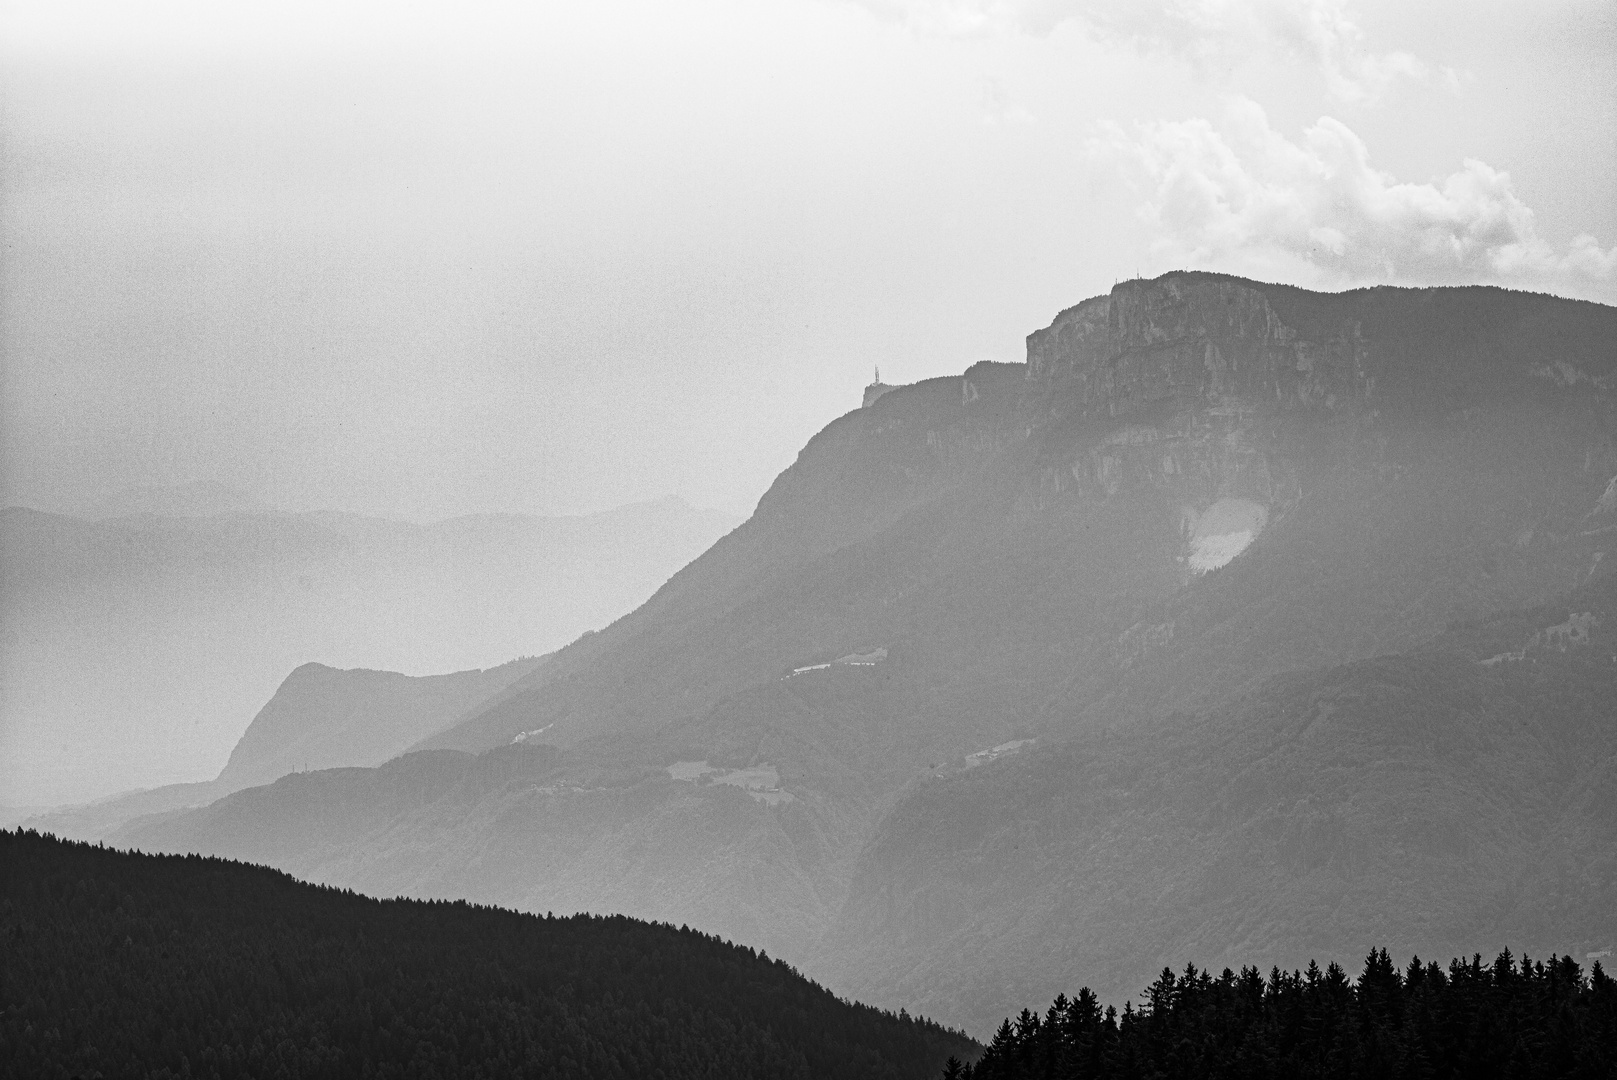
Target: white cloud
1322	33
1243	196
950	18
998	108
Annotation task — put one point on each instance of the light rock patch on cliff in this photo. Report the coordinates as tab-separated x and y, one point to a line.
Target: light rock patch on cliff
1222	531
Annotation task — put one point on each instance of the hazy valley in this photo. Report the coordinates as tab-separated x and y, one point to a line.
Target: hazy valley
183	627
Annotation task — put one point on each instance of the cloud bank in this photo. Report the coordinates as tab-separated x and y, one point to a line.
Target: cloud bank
1242	196
1321	33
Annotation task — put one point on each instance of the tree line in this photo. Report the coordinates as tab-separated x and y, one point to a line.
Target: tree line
1518	1019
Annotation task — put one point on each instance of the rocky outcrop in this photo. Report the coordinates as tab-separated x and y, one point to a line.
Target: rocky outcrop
1193	339
1203	386
874	391
1208	339
1179	384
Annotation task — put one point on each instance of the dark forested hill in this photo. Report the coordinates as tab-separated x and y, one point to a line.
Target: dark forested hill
123	965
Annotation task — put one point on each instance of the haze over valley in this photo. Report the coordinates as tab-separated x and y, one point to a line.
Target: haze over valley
715	539
181	628
1239	622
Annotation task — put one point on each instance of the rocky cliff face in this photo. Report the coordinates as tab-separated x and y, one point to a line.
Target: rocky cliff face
1192	385
1204	388
1195	339
1210	342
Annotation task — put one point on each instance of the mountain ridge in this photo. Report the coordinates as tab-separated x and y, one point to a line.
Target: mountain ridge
1211	531
322	716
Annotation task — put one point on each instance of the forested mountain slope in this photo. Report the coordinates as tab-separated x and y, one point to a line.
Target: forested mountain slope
1430	800
1088	476
776	589
1201	505
129	965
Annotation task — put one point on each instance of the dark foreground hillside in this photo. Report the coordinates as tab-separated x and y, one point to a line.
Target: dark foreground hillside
120	964
1520	1019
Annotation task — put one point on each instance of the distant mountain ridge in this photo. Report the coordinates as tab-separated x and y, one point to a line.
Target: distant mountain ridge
182	628
319	718
1203	508
322	717
199	498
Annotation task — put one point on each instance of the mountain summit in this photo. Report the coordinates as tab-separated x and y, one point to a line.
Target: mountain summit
1240	619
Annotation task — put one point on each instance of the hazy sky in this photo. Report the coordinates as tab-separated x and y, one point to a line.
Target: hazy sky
421	259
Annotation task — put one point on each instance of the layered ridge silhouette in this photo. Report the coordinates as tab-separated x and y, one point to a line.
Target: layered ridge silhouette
1240	621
